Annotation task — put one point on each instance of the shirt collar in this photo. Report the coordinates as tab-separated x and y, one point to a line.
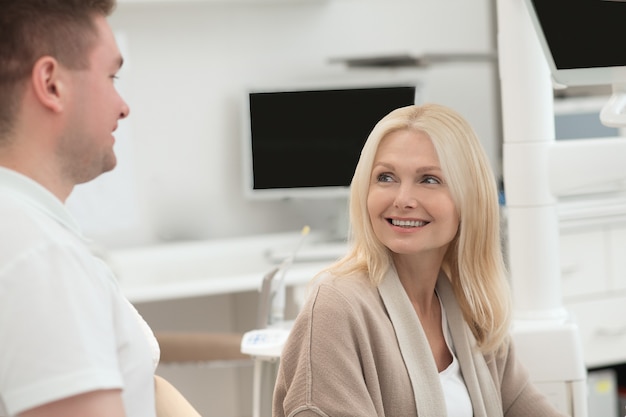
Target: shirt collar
39	197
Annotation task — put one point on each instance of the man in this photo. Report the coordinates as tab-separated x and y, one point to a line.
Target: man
70	343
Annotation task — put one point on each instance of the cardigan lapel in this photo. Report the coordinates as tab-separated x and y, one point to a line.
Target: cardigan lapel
414	347
486	399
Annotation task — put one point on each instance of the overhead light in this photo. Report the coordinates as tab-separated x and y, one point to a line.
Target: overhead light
407	60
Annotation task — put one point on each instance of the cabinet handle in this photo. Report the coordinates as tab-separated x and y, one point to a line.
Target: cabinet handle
568	270
611	331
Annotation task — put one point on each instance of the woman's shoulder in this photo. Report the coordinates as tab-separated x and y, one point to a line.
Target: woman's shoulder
338	294
353	287
339	304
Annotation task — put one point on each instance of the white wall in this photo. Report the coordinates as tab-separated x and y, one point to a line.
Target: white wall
188	64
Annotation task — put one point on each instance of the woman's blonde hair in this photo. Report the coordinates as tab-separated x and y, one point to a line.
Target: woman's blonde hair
474	262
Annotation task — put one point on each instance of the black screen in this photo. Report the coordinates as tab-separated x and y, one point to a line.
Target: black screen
584	33
314	138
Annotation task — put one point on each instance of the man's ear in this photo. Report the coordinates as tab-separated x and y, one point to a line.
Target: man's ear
47	84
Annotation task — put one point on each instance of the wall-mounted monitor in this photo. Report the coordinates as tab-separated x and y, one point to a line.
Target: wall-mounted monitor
305	141
583	40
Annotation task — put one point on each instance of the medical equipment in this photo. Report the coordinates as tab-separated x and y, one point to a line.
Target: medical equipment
537	170
578	38
266	342
265	346
531	214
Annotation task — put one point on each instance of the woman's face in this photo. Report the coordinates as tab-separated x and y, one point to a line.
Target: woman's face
409	202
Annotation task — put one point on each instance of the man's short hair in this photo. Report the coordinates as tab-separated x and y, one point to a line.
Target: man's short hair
31	29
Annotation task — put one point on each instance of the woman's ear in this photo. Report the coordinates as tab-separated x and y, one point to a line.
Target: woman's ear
47	84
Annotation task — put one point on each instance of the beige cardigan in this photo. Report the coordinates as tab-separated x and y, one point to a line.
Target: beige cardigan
358	350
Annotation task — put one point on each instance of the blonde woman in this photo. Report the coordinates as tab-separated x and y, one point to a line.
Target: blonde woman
414	320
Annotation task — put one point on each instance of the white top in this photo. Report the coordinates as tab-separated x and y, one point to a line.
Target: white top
65	327
457	397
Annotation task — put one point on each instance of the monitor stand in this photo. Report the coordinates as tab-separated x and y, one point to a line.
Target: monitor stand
330	246
323	246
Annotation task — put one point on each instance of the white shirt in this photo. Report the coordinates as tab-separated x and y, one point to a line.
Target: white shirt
65	327
457	397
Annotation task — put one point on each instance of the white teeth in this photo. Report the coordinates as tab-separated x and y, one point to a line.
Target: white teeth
407	223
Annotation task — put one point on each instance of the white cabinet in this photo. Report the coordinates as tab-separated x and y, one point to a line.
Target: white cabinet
617	253
602	325
593	276
583	263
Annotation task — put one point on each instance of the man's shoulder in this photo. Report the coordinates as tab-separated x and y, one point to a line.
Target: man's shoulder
24	228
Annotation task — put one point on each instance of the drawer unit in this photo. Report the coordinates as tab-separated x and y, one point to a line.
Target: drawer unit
602	325
584	262
617	257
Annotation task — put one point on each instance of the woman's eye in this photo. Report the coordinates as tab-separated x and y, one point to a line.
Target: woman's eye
431	180
384	178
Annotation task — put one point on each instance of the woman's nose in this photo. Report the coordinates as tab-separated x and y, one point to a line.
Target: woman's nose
406	197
